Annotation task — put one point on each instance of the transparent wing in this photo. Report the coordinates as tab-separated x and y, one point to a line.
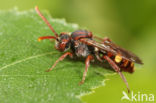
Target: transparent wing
109	46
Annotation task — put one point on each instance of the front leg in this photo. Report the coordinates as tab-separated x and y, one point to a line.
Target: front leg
117	69
87	62
60	59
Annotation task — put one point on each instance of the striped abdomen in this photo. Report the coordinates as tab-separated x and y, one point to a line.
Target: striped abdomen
125	65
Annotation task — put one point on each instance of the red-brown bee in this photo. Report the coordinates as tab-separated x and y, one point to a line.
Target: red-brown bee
82	44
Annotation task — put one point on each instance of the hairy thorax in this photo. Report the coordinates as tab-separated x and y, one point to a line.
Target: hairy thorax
81	49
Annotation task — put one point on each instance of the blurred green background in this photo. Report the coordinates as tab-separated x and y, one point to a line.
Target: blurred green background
129	23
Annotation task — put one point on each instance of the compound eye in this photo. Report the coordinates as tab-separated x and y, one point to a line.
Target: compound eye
57	39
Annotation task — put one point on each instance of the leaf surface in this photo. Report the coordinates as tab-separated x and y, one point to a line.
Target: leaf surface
23	61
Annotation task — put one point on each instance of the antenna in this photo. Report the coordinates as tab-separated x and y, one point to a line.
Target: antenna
46	37
45	20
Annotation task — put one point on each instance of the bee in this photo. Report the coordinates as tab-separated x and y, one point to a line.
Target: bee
83	43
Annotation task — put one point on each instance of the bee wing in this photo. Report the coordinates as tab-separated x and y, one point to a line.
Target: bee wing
109	46
123	52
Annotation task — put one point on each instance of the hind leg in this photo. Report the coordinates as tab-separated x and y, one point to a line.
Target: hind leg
103	40
117	69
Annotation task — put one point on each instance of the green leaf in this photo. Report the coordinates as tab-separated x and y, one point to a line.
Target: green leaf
23	61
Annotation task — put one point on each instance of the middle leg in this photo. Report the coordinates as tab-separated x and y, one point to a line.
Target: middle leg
87	62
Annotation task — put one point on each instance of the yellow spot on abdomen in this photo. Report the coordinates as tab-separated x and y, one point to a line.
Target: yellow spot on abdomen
132	64
39	39
118	58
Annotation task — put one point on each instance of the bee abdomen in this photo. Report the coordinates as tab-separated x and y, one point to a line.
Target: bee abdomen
124	64
127	66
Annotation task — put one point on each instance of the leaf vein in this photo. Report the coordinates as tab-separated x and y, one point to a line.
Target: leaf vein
28	58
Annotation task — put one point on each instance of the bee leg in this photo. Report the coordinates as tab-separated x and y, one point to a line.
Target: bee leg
106	39
117	69
103	40
98	57
87	62
60	59
96	50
